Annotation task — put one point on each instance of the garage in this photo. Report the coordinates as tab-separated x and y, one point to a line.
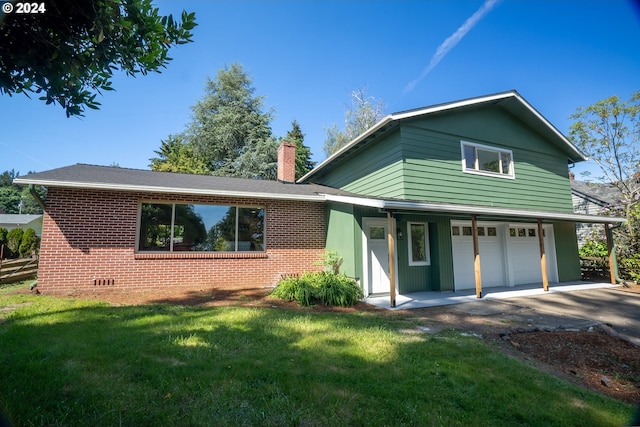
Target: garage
509	254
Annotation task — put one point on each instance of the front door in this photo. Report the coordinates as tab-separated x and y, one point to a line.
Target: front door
376	260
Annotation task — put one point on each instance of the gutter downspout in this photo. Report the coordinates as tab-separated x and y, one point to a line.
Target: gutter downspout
36	196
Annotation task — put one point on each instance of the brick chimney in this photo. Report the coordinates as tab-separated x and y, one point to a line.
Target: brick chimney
287	162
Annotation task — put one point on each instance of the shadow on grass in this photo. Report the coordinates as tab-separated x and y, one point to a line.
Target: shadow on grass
85	364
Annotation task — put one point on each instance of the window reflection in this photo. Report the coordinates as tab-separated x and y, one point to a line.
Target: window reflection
201	228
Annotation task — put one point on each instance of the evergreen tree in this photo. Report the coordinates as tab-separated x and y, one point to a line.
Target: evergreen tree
229	130
303	153
175	155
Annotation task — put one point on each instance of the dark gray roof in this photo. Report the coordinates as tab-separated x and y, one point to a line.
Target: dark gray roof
599	193
18	219
117	178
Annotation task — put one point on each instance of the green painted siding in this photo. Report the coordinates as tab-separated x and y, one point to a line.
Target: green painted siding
341	231
567	251
421	160
435	277
375	170
432	167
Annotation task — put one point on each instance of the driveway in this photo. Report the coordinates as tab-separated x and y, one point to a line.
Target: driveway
573	307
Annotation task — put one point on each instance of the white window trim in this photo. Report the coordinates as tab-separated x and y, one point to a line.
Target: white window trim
463	144
426	244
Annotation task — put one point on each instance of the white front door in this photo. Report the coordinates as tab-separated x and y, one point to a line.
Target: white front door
376	255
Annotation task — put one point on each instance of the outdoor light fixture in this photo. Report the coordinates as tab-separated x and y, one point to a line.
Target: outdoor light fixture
399	233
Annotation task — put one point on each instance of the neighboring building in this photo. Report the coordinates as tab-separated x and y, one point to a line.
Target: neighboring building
591	198
11	221
422	184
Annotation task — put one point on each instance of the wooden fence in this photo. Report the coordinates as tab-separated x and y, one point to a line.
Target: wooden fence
16	270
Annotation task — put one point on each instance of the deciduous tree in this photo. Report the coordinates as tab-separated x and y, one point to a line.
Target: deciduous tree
365	111
609	133
69	50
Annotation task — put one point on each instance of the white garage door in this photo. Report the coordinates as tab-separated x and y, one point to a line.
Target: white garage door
490	242
509	254
523	253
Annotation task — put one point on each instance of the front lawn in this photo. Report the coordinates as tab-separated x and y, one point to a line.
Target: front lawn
85	363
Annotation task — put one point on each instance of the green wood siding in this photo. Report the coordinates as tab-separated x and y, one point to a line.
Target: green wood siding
421	160
375	170
435	277
567	251
341	236
432	166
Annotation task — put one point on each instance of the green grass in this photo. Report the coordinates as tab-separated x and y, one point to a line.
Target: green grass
83	363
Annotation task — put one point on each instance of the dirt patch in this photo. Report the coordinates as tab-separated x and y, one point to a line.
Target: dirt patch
595	358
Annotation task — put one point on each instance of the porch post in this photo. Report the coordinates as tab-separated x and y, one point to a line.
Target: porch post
476	256
392	259
543	257
610	254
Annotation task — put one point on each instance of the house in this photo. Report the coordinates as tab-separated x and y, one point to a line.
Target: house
468	194
22	221
591	199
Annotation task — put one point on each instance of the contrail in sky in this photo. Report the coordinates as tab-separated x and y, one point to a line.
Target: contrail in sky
452	41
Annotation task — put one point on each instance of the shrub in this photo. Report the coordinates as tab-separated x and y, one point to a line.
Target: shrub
319	288
630	267
14	238
29	242
3	236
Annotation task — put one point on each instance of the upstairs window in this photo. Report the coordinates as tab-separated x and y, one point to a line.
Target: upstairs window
485	160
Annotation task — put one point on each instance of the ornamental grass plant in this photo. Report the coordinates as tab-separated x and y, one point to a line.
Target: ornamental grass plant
326	288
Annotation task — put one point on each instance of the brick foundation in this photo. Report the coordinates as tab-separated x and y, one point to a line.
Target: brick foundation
89	242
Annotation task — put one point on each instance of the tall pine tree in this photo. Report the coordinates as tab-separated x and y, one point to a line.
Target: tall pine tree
303	153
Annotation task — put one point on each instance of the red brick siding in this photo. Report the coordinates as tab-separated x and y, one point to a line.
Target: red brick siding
91	235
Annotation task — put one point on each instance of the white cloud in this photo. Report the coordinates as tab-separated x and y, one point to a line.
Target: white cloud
452	41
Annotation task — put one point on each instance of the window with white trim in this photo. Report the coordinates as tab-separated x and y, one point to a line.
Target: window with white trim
418	233
179	227
486	160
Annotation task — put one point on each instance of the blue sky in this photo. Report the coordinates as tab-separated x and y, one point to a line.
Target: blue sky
306	57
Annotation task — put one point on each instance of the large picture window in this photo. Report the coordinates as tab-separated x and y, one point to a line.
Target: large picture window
418	243
174	227
487	160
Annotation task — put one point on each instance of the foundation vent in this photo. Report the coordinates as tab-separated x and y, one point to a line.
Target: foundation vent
104	282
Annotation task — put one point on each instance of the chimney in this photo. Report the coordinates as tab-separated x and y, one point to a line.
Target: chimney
287	162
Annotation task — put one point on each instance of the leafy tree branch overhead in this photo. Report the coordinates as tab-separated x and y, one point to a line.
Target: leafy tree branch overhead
68	53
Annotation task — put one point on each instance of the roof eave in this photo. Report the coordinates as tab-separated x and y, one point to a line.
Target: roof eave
170	190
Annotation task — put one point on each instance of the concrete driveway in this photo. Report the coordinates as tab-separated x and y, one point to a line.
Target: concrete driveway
615	307
576	306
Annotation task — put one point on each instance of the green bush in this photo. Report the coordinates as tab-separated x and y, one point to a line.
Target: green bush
630	267
319	288
29	243
3	236
14	239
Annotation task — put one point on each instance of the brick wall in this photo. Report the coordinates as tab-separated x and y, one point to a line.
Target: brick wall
89	243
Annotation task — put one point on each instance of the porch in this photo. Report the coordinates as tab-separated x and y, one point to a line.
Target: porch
433	299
